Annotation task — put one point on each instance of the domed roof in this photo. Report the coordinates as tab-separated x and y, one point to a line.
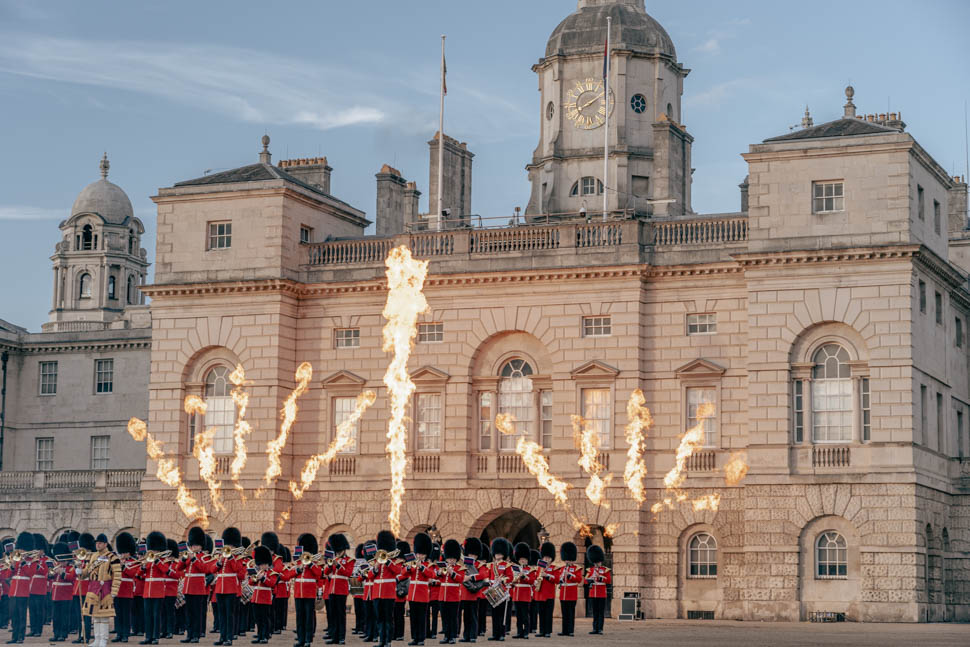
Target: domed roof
104	198
584	31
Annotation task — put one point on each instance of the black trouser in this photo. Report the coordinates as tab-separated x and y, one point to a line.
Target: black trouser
18	618
399	620
153	618
522	619
264	620
195	612
304	620
215	616
371	628
137	616
279	613
358	615
434	608
168	613
419	621
61	616
37	613
327	612
227	615
338	617
4	611
449	619
599	612
469	615
498	620
484	610
546	608
568	608
385	620
122	618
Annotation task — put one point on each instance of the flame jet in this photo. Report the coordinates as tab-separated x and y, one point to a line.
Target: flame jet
304	373
692	440
588	438
204	452
242	429
736	468
640	421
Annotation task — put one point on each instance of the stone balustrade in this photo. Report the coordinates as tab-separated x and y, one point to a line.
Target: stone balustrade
701	231
71	480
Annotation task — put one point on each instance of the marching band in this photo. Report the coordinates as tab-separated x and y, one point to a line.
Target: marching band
158	588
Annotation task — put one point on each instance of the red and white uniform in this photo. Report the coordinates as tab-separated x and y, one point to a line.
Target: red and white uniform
194	571
38	581
547	588
570	577
305	580
524	585
598	577
172	579
282	590
451	583
434	584
127	588
20	579
229	575
63	585
474	572
263	583
422	575
155	576
339	573
385	581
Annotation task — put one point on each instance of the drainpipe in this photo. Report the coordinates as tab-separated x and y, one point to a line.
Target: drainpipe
3	402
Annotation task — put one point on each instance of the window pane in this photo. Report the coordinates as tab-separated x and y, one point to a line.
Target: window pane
430	333
546	413
696	396
515	397
100	452
104	375
702	324
702	556
485	420
428	422
347	337
598	413
220	409
831	555
45	454
48	378
342	409
597	326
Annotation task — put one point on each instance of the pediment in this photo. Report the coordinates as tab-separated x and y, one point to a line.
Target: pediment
700	367
343	378
429	374
594	369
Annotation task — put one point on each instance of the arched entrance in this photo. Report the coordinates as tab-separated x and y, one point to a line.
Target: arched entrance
513	524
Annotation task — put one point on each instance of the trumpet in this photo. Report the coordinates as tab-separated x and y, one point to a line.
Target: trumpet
383	557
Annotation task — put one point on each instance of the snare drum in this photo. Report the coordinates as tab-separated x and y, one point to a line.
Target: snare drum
356	586
496	594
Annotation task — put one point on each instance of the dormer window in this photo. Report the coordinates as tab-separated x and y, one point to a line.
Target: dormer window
588	185
828	197
305	234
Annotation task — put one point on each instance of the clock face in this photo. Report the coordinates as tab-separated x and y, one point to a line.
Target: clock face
585	104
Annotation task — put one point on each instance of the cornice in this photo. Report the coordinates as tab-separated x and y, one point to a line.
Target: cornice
78	346
229	287
757	259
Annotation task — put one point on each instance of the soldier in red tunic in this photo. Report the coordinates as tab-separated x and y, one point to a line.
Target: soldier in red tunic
500	573
339	573
474	572
38	588
434	593
154	572
22	569
359	606
230	571
387	573
598	577
545	594
62	586
126	546
195	566
523	584
305	578
421	574
263	581
569	576
451	576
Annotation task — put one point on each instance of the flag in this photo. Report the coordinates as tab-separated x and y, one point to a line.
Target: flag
606	55
444	74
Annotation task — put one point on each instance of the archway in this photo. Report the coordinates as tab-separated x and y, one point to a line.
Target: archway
513	524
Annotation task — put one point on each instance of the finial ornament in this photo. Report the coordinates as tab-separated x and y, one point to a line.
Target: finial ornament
264	156
104	165
807	119
849	106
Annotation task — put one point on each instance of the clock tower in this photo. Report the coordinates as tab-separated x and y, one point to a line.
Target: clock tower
649	149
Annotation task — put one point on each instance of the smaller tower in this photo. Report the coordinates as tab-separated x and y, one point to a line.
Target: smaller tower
456	193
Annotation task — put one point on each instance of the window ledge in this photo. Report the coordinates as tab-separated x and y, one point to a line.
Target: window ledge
702	577
831	577
825	213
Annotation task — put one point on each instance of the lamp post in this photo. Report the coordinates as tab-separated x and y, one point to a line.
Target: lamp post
543	535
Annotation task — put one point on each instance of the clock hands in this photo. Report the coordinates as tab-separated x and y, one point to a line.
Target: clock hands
590	102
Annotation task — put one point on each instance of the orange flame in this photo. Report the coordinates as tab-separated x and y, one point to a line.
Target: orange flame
284	517
589	444
304	373
242	428
168	472
204	452
707	502
611	529
405	301
343	438
640	421
692	440
736	468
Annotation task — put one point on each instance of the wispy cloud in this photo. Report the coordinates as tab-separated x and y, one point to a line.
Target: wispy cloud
715	37
22	212
717	93
709	46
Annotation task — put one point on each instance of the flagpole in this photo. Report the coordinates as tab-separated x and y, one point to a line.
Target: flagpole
441	136
606	129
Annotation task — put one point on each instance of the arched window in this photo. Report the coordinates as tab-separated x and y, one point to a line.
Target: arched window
84	286
131	241
831	395
702	556
220	409
588	185
112	288
515	397
87	238
131	289
831	556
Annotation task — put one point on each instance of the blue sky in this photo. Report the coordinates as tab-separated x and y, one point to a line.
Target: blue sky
172	89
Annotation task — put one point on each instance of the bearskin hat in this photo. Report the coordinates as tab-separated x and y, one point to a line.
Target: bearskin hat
40	542
262	555
486	556
86	541
309	542
73	535
501	546
359	551
473	546
547	550
270	540
595	554
568	551
155	541
422	544
286	554
208	546
172	546
386	541
435	554
126	543
245	541
521	551
338	542
232	537
25	541
60	548
533	557
452	549
196	536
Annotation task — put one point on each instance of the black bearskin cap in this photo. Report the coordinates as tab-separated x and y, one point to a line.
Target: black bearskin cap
40	542
309	542
286	554
262	555
403	547
521	551
270	540
338	542
232	537
86	541
568	552
208	545
548	550
244	541
435	554
533	557
156	541
196	537
452	549
359	551
172	546
486	556
126	543
73	536
25	541
595	554
60	548
386	541
501	546
422	544
473	546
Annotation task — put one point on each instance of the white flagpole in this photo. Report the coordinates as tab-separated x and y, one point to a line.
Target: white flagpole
441	135
606	128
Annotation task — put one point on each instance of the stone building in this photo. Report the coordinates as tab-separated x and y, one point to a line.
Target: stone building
826	322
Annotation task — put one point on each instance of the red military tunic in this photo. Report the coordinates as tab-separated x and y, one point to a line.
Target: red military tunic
569	577
127	588
305	580
154	575
434	584
62	587
547	586
195	570
523	586
598	577
20	580
451	584
282	590
134	572
474	573
263	584
229	574
5	575
368	578
339	573
38	581
422	575
172	579
386	577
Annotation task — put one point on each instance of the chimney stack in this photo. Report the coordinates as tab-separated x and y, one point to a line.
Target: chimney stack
313	170
957	207
397	202
456	193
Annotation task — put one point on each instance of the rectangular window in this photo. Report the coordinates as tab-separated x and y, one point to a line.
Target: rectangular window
827	197
936	216
589	185
597	326
696	396
598	413
104	375
938	303
220	235
485	406
428	422
48	378
545	401
922	413
940	425
832	410
702	324
922	297
866	413
100	448
45	454
958	332
342	409
305	233
920	203
347	337
431	333
798	409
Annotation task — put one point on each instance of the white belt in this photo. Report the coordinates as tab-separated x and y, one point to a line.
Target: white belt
63	583
195	575
523	586
262	588
156	579
304	579
127	579
384	581
338	577
450	584
418	582
226	575
569	584
20	577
